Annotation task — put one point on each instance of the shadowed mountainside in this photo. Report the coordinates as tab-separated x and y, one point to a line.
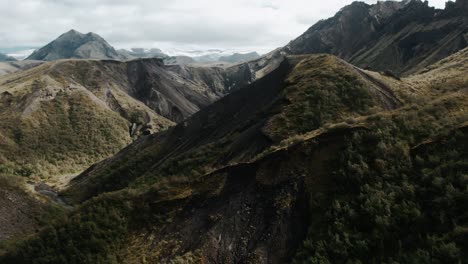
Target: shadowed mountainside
403	37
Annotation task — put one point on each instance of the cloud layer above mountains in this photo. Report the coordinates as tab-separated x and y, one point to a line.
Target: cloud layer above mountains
242	24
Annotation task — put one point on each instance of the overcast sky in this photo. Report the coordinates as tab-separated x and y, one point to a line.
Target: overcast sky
242	25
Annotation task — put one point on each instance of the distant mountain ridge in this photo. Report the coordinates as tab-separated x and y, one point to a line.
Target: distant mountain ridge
4	57
400	36
142	53
240	57
74	44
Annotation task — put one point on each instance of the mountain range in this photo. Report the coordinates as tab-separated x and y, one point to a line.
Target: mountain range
348	145
76	45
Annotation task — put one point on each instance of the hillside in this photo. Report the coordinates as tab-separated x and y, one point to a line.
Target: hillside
259	183
75	45
403	37
58	120
98	107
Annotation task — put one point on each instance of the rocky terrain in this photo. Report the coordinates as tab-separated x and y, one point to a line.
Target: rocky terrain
403	37
75	45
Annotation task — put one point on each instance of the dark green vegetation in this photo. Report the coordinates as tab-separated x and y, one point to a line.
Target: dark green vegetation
395	199
320	90
323	163
91	235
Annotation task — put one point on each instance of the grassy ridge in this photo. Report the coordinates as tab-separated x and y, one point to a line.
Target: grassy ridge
63	135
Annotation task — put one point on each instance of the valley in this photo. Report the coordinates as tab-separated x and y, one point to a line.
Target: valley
331	149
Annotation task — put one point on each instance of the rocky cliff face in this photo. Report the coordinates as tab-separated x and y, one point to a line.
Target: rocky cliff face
399	36
74	44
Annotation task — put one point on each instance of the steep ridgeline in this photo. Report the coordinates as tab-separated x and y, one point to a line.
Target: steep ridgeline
317	160
403	37
74	44
240	57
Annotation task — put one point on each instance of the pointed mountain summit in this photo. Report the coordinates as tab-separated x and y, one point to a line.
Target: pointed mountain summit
74	44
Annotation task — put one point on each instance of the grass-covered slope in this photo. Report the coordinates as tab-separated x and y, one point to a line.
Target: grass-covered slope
267	182
60	117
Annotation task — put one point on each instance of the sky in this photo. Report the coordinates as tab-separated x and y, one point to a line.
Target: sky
238	25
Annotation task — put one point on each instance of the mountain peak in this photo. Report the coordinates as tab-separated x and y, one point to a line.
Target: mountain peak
72	31
74	44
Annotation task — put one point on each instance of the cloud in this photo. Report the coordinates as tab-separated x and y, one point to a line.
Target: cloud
244	25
